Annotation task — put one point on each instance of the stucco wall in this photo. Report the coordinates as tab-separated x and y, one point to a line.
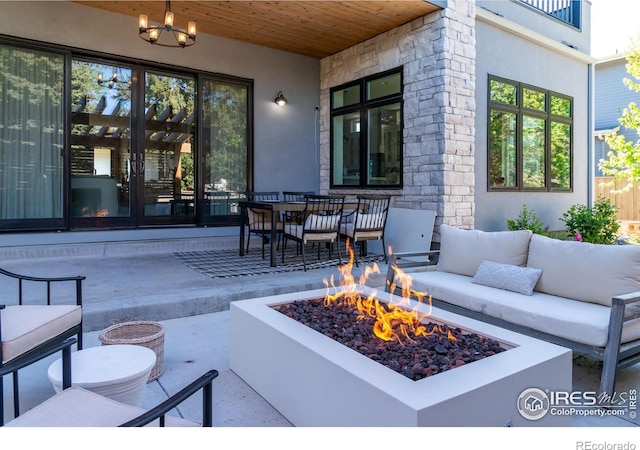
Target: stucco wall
536	20
285	138
510	56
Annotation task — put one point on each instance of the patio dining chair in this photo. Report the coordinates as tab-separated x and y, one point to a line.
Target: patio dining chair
292	196
259	220
78	407
318	222
366	222
30	332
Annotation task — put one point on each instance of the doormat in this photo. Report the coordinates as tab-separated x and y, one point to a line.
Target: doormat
228	263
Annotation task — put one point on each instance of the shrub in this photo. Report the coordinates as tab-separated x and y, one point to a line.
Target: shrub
527	220
597	224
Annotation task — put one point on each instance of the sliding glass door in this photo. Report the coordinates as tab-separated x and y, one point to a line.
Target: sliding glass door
166	168
92	142
101	144
31	138
225	148
130	168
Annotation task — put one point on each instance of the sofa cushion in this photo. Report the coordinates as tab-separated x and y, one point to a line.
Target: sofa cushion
507	276
582	271
462	251
27	326
583	322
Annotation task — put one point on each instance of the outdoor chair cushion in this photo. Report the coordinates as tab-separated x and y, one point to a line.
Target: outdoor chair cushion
316	222
375	220
583	322
582	271
78	407
364	221
313	224
27	326
297	231
462	251
347	229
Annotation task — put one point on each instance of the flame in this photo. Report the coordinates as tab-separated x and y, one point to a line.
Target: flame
393	321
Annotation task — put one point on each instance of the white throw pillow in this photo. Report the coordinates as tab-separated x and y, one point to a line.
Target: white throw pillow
507	276
462	251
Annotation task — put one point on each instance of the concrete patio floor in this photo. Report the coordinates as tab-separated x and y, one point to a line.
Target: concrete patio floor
153	285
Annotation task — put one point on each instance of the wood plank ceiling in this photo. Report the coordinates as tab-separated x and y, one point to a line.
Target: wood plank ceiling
315	28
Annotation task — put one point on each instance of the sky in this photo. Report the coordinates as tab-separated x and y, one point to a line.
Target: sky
613	24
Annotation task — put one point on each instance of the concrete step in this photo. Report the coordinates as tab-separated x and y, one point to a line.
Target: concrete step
26	246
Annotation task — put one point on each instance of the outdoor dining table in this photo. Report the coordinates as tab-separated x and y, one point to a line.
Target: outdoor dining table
275	207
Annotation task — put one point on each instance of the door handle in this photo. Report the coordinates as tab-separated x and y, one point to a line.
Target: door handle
133	163
137	165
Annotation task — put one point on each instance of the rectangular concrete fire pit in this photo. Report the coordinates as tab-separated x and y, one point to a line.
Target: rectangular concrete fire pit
315	381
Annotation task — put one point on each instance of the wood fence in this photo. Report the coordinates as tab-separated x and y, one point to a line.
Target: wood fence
628	203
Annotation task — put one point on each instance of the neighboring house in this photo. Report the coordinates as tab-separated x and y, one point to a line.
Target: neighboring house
472	111
612	96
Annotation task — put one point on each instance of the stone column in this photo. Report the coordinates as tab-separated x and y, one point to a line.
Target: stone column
438	55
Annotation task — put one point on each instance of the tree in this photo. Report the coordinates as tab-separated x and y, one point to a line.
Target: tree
623	162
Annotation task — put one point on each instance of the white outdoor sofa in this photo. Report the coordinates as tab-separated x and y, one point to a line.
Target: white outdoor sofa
579	295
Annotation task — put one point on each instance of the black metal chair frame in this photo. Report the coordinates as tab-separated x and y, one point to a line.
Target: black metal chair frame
262	230
160	411
375	209
292	196
322	206
43	350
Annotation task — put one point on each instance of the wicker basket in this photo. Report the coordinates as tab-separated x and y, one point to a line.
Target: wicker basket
146	334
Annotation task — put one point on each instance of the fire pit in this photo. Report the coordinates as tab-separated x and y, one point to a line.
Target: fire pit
314	380
435	348
353	356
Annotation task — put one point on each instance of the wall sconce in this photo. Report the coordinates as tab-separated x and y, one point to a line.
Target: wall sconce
280	100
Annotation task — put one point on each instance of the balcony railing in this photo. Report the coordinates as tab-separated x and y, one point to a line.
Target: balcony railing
567	11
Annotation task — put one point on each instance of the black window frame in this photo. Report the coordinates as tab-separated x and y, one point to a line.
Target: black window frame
520	111
362	108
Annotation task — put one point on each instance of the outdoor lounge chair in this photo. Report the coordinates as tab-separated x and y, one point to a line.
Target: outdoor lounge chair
30	332
78	407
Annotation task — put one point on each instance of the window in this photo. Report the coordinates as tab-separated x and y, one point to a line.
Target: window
530	144
366	132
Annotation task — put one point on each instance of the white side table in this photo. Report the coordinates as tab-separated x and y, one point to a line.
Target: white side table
119	372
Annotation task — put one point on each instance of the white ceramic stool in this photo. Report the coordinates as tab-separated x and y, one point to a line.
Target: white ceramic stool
119	372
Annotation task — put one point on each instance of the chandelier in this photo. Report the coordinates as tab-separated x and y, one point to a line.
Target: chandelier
152	33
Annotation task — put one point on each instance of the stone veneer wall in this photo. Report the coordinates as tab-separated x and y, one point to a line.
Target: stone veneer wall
438	55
